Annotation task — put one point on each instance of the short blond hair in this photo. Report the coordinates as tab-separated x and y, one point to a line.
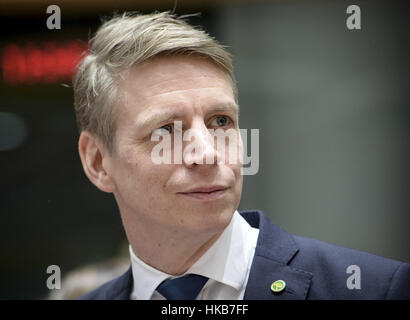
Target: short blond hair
125	41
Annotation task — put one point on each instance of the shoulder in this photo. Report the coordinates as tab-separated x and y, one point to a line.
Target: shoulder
329	271
340	272
116	289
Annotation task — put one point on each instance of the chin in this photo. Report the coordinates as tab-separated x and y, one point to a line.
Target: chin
213	222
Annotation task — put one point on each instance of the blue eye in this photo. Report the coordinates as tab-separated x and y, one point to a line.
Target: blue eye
164	130
167	127
221	121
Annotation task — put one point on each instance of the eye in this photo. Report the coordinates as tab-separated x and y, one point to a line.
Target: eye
221	121
167	129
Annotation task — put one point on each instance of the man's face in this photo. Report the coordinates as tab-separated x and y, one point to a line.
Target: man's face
153	95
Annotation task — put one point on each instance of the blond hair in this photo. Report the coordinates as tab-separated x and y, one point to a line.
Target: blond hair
123	42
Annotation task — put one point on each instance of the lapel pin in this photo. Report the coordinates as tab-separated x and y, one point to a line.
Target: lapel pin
278	286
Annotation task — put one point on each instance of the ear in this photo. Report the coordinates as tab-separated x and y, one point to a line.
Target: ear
95	160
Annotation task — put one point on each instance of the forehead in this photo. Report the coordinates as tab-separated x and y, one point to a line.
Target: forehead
166	78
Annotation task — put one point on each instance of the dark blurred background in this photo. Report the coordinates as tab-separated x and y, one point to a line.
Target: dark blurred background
332	106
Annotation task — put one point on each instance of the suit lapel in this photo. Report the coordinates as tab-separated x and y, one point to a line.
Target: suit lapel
120	288
274	251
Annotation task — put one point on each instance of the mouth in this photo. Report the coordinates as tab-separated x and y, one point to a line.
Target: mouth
206	194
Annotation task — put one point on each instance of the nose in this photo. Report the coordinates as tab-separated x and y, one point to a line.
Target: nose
199	146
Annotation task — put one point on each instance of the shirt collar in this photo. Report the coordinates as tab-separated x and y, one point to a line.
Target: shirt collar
225	261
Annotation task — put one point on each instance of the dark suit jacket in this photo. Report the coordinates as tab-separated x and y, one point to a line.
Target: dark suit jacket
311	269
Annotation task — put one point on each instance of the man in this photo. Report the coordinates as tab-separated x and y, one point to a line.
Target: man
150	79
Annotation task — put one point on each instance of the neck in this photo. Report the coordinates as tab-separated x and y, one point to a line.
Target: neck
170	252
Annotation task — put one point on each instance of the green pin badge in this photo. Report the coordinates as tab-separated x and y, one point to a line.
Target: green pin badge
278	286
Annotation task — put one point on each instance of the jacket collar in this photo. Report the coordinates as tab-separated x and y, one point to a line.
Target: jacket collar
273	254
120	288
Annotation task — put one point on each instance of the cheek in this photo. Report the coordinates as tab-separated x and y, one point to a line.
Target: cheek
142	187
230	148
238	180
131	169
142	175
234	154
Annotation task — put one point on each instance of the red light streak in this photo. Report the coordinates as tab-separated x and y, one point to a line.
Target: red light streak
46	63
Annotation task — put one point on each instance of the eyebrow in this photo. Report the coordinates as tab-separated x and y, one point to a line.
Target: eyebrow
160	116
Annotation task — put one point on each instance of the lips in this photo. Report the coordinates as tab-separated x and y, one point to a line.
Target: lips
205	189
206	193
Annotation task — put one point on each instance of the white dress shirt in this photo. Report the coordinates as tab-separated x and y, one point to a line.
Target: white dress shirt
226	263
